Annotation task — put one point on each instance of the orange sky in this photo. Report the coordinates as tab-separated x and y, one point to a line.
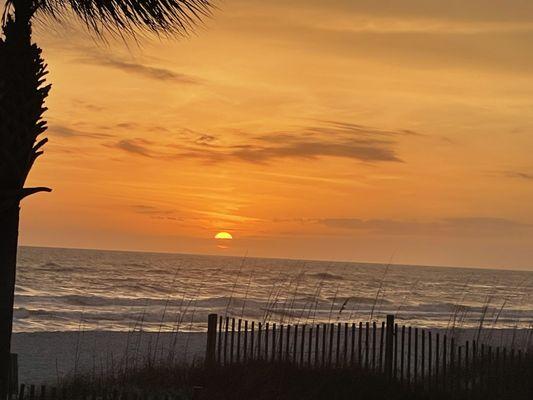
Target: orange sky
355	130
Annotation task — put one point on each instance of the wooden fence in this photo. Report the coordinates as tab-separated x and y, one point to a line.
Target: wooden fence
410	355
407	355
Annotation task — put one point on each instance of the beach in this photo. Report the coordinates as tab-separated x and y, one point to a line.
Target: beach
85	310
48	357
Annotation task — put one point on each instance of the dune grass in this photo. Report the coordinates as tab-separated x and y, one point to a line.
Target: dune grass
283	381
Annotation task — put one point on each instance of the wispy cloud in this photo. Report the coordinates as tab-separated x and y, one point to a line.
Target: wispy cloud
294	148
518	175
137	146
462	225
71	132
156	212
81	52
138	68
425	36
336	127
148	209
87	106
330	139
133	127
409	15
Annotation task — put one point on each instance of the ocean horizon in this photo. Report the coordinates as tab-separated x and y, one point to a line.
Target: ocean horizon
184	253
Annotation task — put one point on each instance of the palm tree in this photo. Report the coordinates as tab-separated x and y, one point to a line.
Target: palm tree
23	91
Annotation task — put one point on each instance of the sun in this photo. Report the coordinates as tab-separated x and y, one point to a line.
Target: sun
223	235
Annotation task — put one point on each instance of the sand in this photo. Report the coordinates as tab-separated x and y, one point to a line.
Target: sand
47	357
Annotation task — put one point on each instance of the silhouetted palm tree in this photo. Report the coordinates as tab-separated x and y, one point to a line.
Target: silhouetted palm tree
22	94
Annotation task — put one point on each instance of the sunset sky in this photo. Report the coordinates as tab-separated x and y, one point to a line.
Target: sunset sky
366	130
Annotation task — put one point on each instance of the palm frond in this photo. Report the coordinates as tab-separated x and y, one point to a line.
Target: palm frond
128	17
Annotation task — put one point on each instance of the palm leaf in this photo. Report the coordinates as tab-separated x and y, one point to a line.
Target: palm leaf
127	17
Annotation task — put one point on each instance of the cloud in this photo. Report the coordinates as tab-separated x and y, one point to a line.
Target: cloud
136	146
340	127
145	209
416	34
472	12
309	149
327	139
84	53
445	226
87	106
518	175
134	126
156	212
127	125
70	132
203	139
353	142
486	223
140	69
458	10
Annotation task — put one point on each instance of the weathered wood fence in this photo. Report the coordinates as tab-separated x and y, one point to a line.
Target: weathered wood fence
407	354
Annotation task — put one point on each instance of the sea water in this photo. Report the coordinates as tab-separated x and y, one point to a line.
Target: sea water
73	290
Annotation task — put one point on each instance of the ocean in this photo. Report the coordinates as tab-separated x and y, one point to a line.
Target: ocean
73	290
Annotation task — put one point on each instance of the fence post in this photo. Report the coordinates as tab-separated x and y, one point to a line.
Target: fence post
280	350
389	345
245	350
197	392
274	349
210	355
226	334
219	344
232	343
317	339
310	344
374	327
13	374
302	346
21	392
252	337
239	340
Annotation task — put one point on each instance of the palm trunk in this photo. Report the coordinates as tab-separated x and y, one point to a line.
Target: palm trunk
9	223
22	95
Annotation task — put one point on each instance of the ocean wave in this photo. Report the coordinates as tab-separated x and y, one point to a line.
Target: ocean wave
326	276
21	313
127	318
53	266
222	302
358	299
103	301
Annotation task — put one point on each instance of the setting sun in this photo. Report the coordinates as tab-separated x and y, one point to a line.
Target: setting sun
223	235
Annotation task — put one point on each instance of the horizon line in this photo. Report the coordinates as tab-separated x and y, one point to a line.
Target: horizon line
246	255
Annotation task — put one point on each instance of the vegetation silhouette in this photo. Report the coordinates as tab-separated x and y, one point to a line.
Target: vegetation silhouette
23	91
258	380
